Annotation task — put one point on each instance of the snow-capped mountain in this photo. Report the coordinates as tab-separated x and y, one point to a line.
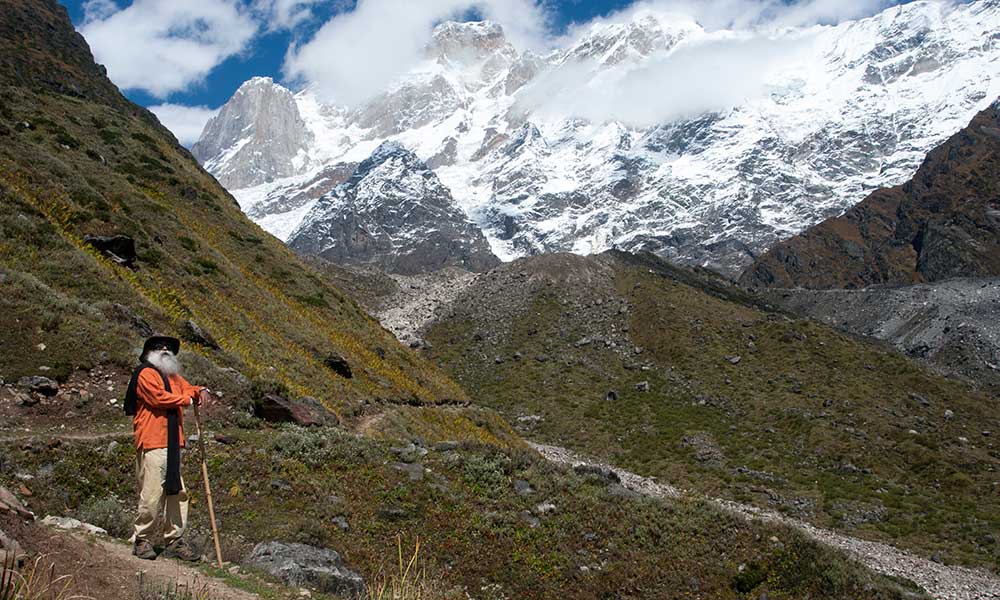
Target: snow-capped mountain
393	212
609	141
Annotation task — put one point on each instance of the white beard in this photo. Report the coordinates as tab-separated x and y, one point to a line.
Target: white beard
165	362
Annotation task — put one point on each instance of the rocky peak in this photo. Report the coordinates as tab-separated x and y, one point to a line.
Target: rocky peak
395	213
462	42
258	136
645	34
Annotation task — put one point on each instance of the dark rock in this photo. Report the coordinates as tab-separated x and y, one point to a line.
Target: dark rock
446	446
611	396
642	386
193	332
305	411
39	385
281	485
339	365
523	488
601	472
300	565
340	522
119	248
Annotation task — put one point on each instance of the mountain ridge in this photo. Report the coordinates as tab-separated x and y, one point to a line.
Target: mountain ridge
859	109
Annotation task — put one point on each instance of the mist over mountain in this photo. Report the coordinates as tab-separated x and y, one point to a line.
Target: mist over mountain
704	146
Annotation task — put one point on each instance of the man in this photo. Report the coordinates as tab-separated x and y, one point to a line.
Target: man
156	397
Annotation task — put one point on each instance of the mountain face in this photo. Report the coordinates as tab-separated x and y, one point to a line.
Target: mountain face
525	146
258	136
943	223
110	231
393	212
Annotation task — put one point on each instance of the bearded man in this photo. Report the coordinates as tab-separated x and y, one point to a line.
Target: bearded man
156	397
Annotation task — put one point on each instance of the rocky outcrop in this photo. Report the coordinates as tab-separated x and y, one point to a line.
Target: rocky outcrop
308	412
394	213
943	223
301	565
119	248
257	136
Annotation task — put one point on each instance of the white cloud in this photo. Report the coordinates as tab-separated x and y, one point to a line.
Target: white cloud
185	122
166	46
357	54
284	14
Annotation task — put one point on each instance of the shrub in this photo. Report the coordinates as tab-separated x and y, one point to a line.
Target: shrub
107	513
487	475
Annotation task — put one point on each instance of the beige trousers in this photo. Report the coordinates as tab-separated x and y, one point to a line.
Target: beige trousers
151	471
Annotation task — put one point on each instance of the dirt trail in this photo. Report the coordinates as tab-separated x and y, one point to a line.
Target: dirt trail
941	581
162	571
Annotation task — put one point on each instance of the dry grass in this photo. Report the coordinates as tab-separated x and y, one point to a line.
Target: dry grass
407	581
38	582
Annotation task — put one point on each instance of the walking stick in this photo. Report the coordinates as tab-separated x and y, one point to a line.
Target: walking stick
208	487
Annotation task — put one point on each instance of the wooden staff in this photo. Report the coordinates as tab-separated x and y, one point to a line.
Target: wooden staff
208	487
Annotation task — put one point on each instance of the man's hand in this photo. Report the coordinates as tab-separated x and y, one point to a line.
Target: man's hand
204	397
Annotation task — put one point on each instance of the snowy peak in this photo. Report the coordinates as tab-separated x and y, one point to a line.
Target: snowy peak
468	42
257	137
393	212
646	34
611	141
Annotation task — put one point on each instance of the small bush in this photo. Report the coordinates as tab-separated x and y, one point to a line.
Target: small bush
487	475
109	514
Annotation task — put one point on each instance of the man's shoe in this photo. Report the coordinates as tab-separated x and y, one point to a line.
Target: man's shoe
181	550
143	550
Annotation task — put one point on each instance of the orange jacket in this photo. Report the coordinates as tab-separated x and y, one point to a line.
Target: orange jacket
150	420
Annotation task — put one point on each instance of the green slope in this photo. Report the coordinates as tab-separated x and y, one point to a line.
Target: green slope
77	159
742	402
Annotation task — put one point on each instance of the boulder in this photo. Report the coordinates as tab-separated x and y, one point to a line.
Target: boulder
301	565
70	523
10	503
119	248
11	553
305	411
339	365
39	385
193	332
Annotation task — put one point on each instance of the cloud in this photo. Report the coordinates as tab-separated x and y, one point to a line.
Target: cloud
284	14
359	53
163	47
709	74
185	122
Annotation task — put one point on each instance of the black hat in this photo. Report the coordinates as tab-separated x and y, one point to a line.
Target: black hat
170	343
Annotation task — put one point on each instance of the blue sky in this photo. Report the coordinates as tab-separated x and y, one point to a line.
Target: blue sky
266	53
184	58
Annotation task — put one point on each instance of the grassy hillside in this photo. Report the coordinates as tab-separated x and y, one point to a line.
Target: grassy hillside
77	159
570	536
719	395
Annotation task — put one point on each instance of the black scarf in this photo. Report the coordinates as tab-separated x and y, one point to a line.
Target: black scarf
172	484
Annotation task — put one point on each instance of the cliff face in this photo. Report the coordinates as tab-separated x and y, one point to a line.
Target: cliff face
943	223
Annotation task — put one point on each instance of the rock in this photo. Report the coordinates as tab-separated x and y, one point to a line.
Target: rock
10	503
642	386
70	523
301	565
545	508
340	522
339	365
11	552
304	411
580	343
949	414
605	473
281	485
920	399
611	396
193	332
523	488
734	359
39	385
446	446
530	519
119	248
415	471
